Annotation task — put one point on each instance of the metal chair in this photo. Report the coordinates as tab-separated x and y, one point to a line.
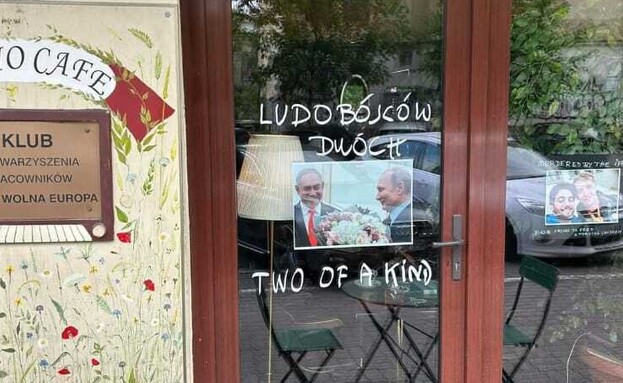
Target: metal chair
294	343
546	276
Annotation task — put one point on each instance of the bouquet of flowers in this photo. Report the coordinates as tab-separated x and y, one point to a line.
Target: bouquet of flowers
352	228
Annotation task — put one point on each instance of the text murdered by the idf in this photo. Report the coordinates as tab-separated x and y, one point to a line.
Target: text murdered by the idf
49	170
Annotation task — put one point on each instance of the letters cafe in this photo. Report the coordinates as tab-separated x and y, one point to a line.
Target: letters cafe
51	61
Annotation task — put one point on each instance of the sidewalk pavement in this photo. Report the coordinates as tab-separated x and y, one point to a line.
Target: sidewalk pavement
553	361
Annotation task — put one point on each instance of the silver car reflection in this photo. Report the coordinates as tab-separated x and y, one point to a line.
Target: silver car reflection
526	232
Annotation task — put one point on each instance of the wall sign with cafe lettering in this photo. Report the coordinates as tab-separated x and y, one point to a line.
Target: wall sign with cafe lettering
122	59
55	172
55	176
96	75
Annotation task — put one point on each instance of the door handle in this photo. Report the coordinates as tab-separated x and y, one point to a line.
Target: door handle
456	243
437	245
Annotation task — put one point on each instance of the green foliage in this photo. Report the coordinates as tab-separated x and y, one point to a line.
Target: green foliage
103	305
148	184
605	26
121	215
158	66
555	106
108	57
247	101
597	127
60	311
246	42
121	139
540	73
312	46
593	310
142	36
353	95
132	377
167	77
429	42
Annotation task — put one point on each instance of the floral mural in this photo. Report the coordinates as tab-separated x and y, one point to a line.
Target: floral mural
111	311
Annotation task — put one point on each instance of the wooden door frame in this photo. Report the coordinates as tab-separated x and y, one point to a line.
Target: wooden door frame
475	112
211	170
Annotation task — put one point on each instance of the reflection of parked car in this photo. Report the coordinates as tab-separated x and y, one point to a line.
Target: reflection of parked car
525	196
404	127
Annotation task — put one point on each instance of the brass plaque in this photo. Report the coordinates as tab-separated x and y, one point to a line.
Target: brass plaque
49	170
55	173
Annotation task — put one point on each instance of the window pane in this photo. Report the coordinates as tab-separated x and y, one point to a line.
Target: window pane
563	191
334	100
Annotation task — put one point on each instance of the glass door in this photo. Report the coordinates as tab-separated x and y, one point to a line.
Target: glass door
563	201
354	142
339	135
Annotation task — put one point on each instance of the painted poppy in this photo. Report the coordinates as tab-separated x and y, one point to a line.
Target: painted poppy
69	332
149	285
125	237
95	362
64	371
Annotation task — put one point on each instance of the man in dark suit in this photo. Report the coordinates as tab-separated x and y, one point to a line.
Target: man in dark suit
393	191
310	209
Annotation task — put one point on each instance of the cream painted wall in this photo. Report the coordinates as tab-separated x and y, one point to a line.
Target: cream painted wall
125	299
103	2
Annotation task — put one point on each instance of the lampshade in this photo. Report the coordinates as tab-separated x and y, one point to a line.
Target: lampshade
265	184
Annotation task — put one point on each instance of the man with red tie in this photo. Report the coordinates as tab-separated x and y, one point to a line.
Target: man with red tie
308	211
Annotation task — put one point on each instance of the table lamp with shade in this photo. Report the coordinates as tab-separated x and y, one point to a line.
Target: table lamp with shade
265	187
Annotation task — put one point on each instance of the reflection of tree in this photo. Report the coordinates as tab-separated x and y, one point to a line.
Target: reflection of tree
595	308
555	107
556	50
540	73
310	47
245	46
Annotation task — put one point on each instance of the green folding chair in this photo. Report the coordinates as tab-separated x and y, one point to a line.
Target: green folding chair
546	276
294	343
